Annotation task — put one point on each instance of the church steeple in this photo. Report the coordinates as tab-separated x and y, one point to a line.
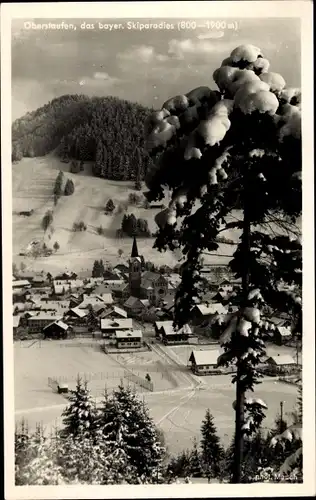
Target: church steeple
135	271
134	248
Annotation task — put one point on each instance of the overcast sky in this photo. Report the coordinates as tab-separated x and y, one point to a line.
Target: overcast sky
147	66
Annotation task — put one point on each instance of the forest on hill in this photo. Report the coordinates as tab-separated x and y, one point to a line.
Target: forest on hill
105	130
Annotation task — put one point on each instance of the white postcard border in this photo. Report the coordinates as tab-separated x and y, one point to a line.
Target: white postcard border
250	9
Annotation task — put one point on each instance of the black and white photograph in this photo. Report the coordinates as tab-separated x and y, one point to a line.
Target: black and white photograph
157	194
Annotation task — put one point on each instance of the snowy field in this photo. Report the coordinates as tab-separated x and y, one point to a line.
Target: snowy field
177	406
32	188
180	415
35	361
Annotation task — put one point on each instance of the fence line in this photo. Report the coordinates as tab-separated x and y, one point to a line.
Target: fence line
145	384
89	377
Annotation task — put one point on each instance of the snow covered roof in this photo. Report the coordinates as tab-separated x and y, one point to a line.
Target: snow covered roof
130	333
46	316
81	313
116	310
209	309
53	305
167	328
20	283
106	297
59	323
284	331
120	311
282	359
208	357
117	324
65	285
160	324
131	301
115	284
92	300
145	302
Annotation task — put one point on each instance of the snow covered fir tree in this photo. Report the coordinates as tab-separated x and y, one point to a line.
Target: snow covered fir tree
122	445
219	150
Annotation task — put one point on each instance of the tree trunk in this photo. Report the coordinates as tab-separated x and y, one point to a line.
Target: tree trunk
240	394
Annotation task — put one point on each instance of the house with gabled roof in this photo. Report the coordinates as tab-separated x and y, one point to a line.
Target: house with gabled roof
128	338
204	362
109	326
135	306
169	335
60	287
90	300
37	322
76	313
200	312
114	312
56	330
281	360
21	284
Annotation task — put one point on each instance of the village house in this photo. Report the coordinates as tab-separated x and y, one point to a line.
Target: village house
38	294
19	285
109	326
114	312
122	269
76	315
60	306
56	330
167	305
39	281
66	276
282	334
281	362
92	300
20	295
204	362
106	298
127	338
278	329
38	321
201	312
119	289
75	299
112	275
26	275
60	287
135	306
168	335
102	289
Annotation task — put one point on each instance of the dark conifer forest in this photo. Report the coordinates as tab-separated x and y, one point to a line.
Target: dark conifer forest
105	130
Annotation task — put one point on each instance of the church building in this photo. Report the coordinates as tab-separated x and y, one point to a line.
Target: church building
145	285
